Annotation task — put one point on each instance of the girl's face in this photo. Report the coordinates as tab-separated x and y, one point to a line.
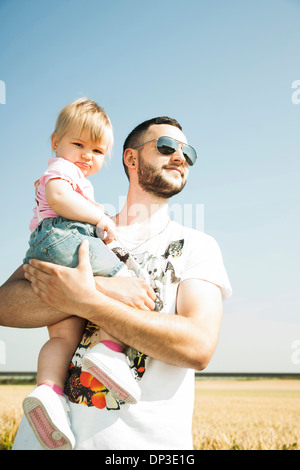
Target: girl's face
86	154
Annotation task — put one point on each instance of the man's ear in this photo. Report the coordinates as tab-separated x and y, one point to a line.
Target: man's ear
130	159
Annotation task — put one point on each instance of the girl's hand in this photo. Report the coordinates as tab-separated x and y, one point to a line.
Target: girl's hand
106	229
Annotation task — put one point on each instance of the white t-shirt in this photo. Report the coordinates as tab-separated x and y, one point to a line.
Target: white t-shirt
163	417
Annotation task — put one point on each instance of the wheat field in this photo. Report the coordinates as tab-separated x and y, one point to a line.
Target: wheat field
11	397
228	415
247	415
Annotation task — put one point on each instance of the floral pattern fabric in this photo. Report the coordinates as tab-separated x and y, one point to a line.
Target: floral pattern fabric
81	387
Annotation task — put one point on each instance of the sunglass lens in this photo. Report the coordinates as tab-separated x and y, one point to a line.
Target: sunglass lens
166	145
189	154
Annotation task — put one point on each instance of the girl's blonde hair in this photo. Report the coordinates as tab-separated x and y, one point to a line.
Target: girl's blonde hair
84	114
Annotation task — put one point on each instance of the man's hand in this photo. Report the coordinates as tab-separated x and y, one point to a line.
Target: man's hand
66	289
131	291
187	339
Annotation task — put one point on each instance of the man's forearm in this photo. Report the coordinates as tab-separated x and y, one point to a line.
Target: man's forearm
21	308
169	338
187	339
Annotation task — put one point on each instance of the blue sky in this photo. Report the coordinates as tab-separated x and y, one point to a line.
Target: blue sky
224	69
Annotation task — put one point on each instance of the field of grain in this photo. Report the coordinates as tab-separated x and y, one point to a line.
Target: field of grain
229	414
11	397
247	415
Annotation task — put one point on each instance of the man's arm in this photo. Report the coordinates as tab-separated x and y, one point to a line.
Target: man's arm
21	308
187	339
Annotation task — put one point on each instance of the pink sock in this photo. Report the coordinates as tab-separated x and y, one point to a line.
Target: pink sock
112	345
55	388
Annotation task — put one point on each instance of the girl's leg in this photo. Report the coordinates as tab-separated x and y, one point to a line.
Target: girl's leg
110	341
56	354
45	407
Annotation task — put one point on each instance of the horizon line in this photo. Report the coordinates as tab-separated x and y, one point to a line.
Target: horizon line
197	373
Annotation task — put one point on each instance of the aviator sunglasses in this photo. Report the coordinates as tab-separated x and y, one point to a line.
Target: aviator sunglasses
167	146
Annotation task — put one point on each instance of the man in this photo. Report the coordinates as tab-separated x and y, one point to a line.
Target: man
185	270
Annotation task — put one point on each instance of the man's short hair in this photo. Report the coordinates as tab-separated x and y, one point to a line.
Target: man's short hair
138	134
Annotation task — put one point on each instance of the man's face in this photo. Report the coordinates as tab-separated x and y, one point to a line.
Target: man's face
161	175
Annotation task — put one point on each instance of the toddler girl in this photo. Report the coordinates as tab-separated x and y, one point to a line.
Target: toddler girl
66	214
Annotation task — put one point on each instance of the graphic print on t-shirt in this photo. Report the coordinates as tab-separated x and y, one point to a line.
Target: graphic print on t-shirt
81	387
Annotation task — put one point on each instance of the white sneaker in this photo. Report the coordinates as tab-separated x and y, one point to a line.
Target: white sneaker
112	370
47	414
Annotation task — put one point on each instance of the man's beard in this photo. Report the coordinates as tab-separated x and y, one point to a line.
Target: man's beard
153	181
